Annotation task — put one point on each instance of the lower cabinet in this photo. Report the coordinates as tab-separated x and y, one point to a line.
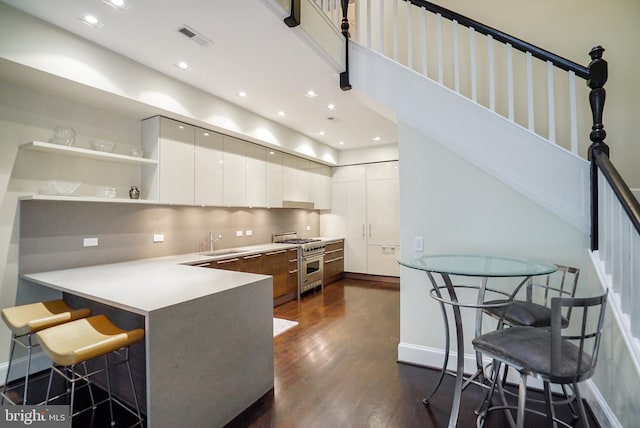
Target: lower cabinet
293	275
282	265
276	264
333	262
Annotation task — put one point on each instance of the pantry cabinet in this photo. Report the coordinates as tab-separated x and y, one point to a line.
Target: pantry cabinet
365	210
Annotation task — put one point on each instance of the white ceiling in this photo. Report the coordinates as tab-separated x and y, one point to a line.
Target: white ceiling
252	50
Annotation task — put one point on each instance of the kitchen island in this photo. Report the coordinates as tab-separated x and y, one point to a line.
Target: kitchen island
208	351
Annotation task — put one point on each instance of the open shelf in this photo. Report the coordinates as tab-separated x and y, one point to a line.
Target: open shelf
38	197
41	146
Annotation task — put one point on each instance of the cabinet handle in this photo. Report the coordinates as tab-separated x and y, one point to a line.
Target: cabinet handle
221	262
333	260
275	252
293	261
369	230
333	251
202	265
293	271
255	256
363	230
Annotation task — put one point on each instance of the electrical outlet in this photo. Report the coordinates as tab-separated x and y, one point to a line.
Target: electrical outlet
238	233
308	228
90	242
248	232
158	237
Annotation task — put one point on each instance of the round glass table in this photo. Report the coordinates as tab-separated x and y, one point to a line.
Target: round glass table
480	266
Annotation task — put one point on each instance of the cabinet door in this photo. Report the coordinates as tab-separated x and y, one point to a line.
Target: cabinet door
276	264
321	187
256	176
208	168
289	177
383	260
349	210
252	263
274	179
383	214
176	162
233	263
293	276
235	172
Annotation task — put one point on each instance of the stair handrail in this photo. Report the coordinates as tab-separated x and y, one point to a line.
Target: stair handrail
503	37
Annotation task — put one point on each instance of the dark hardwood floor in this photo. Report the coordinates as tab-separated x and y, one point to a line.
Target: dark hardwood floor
338	368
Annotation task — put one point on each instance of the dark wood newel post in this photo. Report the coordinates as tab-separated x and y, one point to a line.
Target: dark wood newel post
293	20
345	85
597	78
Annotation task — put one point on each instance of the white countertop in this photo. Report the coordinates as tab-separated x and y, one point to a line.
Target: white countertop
142	286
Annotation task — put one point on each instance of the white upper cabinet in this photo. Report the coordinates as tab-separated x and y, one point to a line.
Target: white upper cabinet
274	179
256	176
176	162
209	173
235	172
196	166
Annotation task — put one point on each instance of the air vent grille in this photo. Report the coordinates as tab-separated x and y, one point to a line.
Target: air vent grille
194	36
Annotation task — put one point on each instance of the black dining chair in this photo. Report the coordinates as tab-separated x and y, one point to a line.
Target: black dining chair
562	354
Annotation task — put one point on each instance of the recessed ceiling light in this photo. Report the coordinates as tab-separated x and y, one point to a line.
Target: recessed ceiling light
206	134
311	93
331	106
91	20
281	114
183	66
376	138
272	152
341	143
117	4
242	94
321	133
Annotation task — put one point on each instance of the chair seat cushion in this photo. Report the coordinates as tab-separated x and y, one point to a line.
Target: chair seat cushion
528	349
522	313
25	319
81	340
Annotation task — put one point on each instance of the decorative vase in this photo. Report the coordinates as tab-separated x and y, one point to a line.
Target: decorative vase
134	192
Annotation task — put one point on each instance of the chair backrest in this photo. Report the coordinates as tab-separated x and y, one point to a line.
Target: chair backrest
561	283
574	348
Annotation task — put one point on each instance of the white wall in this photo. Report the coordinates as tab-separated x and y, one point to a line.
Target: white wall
458	208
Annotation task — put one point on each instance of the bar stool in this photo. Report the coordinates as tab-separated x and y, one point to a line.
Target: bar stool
76	342
24	321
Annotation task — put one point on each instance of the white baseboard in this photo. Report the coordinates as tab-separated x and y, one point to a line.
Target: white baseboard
39	362
433	358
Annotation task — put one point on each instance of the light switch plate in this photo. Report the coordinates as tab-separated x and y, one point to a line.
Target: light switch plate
418	243
238	233
90	242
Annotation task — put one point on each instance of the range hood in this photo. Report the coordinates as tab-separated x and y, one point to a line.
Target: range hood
297	204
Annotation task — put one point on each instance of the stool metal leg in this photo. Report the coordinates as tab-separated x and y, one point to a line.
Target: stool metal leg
106	364
6	379
133	388
26	377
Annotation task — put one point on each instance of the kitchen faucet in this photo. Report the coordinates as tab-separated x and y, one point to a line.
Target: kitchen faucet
212	240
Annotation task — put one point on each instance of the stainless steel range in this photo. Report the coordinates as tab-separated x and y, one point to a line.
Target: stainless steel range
310	259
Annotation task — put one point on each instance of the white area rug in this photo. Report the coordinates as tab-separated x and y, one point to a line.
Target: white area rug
280	326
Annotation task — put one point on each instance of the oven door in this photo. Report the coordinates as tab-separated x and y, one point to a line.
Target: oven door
311	272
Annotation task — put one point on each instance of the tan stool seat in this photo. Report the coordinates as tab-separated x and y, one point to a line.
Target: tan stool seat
83	339
26	319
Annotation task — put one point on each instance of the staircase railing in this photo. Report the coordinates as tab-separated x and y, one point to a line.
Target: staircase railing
615	219
522	82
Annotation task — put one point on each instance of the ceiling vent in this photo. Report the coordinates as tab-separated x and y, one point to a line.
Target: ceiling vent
194	36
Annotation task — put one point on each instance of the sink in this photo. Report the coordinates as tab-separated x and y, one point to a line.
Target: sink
221	252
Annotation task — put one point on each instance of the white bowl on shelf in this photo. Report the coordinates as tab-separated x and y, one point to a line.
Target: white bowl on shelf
106	192
136	152
61	187
102	145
